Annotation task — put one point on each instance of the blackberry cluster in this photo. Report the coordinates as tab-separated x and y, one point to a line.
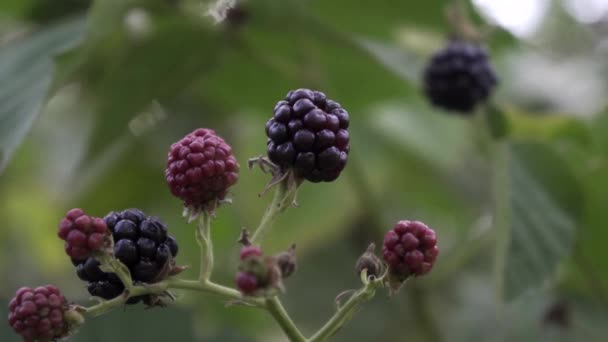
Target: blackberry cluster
201	168
309	135
410	248
459	77
38	314
141	243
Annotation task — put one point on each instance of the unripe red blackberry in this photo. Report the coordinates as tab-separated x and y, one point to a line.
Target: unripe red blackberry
459	77
38	314
246	282
141	243
410	248
201	168
83	234
309	135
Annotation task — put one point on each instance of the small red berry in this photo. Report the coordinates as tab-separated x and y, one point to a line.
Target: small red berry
201	168
38	314
410	248
82	234
246	282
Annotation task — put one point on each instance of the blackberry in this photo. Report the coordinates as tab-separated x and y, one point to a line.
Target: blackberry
309	135
141	243
200	169
83	234
459	77
39	314
410	248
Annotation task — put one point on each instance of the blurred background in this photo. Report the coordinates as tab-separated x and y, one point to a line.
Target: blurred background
92	93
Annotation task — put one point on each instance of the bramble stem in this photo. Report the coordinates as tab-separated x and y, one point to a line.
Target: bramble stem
346	311
203	238
276	309
283	198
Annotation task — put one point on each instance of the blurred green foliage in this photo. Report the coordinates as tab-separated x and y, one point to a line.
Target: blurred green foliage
520	219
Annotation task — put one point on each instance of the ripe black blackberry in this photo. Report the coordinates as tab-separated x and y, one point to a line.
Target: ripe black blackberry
459	77
141	243
309	135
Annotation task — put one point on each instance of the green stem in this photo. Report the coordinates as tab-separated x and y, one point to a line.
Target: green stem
346	311
158	288
276	309
501	195
108	305
203	237
214	288
283	198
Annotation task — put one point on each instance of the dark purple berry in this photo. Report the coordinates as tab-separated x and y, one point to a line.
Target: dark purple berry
315	143
154	230
163	253
126	251
146	247
126	229
111	219
141	243
172	243
134	215
459	77
145	271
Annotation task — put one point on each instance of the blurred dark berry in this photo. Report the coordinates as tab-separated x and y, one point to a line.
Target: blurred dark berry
558	314
459	77
201	168
309	135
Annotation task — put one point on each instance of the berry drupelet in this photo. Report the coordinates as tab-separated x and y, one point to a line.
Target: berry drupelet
83	234
39	314
141	243
200	169
459	77
410	248
308	134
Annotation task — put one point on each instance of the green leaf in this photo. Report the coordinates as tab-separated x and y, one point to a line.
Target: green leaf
497	122
25	72
546	127
124	71
544	208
